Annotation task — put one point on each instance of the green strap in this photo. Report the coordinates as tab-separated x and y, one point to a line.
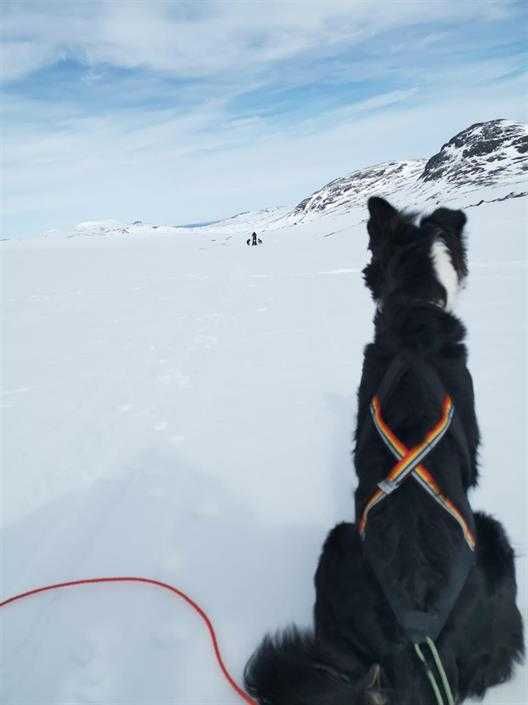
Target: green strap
441	671
432	679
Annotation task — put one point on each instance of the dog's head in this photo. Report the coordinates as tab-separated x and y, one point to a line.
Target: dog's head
423	260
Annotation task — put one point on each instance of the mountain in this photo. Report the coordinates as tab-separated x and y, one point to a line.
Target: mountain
483	154
100	227
486	154
487	161
245	222
352	190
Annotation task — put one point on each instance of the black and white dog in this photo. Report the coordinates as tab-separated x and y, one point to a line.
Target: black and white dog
422	566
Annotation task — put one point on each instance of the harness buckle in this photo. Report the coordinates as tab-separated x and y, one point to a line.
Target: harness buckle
388	486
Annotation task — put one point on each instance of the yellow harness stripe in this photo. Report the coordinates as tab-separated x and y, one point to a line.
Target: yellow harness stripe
405	459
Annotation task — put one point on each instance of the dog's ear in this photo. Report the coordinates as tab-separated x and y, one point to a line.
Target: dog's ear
383	223
447	219
383	216
387	224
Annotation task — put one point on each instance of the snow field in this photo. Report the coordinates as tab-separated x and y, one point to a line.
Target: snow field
182	407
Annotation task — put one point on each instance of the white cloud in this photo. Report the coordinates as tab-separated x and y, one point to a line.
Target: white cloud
207	38
202	157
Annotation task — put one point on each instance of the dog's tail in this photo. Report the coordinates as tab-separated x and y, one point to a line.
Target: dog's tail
292	668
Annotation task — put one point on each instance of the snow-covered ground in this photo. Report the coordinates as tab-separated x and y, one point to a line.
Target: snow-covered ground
181	406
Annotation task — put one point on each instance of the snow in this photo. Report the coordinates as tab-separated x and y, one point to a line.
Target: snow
181	406
242	223
391	179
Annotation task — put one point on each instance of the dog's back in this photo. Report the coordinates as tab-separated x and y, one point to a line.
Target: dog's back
361	652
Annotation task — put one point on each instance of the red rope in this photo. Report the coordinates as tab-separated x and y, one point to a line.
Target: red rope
196	607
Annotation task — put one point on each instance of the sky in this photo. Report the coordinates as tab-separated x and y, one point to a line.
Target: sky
181	112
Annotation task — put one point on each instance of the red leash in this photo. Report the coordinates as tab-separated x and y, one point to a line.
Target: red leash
196	607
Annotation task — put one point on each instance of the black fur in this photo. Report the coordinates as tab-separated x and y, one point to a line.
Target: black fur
357	653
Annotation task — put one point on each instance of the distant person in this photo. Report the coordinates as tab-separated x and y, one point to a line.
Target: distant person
254	240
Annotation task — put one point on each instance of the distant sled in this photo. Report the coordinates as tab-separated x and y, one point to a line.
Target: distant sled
254	240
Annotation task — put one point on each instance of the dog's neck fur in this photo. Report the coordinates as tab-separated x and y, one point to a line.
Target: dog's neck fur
418	325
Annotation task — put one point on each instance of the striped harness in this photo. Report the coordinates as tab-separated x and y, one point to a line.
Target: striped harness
409	464
418	625
421	628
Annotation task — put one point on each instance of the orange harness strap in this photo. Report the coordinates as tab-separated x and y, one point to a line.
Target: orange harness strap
409	463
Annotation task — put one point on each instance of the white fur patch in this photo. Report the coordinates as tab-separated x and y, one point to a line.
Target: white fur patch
445	272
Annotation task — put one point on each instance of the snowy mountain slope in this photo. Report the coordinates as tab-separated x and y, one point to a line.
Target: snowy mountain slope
241	223
182	407
388	179
491	155
483	154
247	222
